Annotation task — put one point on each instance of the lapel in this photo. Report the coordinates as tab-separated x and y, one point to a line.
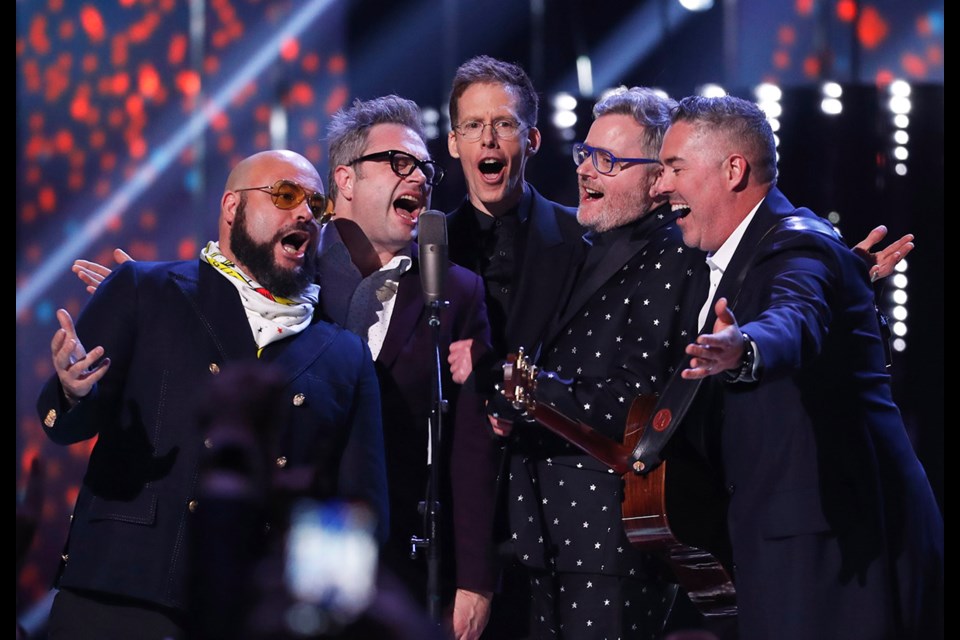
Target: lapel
218	307
407	309
774	208
547	263
613	251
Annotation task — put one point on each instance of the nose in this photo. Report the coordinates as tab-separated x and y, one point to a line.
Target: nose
302	211
488	135
418	176
662	186
586	168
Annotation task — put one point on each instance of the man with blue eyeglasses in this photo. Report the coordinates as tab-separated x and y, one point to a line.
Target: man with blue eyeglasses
625	317
616	335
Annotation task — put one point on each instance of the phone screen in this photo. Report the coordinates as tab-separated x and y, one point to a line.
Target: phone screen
331	557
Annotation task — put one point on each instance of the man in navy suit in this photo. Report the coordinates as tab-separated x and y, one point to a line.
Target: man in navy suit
162	330
834	527
381	179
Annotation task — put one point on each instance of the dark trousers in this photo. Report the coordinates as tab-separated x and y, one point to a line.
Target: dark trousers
77	615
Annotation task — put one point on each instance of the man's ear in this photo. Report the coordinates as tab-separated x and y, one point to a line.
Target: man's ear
228	204
533	141
345	176
452	145
738	169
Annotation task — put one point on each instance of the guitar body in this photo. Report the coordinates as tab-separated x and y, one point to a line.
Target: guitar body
678	512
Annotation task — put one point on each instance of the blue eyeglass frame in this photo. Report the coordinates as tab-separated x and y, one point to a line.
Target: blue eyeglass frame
581	147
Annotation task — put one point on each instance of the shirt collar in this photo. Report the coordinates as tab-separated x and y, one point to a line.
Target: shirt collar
721	258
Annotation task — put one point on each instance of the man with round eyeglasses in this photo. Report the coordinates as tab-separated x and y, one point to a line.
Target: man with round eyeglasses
159	332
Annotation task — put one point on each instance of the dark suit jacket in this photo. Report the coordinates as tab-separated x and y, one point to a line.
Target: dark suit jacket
405	368
549	248
167	328
625	326
834	527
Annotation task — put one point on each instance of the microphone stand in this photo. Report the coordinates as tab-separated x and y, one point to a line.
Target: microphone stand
431	506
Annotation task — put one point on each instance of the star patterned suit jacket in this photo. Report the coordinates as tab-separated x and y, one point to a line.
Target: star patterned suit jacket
626	322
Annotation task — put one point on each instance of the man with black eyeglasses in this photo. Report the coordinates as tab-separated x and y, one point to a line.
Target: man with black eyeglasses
381	180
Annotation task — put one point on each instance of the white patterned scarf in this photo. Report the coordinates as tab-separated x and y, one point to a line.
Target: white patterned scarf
271	317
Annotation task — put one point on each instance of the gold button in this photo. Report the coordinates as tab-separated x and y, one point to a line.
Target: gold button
299	399
51	418
214	368
282	461
208	443
192	505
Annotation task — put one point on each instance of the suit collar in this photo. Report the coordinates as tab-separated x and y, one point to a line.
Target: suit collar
217	303
609	252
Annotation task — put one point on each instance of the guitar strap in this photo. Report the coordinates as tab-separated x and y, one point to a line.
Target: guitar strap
678	396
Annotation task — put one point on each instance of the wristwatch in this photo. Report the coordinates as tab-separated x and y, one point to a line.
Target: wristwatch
748	363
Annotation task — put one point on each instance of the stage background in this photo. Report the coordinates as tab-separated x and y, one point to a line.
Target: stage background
130	114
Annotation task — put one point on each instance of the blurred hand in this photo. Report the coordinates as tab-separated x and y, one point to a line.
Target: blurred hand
882	262
92	273
78	370
463	353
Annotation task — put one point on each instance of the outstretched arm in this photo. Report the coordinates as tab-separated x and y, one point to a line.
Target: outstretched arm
882	262
719	351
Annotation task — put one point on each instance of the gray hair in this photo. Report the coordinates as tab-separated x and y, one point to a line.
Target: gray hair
649	108
349	129
740	121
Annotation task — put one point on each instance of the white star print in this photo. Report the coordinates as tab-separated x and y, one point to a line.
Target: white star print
593	487
586	407
586	525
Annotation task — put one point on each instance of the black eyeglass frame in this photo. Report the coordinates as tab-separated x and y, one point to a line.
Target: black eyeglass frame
317	202
430	169
581	147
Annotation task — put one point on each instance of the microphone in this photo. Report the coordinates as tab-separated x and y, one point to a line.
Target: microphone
432	238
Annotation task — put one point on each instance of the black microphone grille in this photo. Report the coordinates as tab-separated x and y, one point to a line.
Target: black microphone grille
432	227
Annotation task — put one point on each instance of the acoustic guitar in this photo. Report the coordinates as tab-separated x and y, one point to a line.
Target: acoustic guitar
675	509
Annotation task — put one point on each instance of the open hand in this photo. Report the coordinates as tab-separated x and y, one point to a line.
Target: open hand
77	369
93	273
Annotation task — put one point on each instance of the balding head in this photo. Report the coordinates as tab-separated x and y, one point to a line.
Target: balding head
275	245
